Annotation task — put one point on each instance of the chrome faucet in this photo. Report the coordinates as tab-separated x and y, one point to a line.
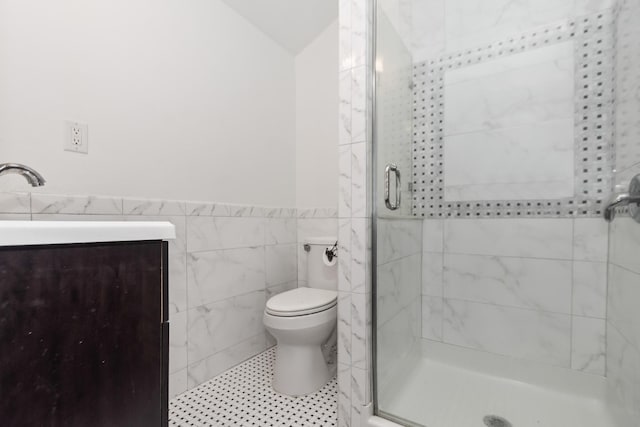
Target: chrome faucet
33	177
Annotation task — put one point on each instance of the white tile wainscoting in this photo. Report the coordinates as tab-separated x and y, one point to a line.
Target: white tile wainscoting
534	289
225	262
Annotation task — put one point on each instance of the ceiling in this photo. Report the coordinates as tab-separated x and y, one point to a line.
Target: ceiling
291	23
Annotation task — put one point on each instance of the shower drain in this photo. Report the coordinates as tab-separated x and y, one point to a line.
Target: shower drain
495	421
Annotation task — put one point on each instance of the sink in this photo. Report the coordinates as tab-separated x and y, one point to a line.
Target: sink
20	233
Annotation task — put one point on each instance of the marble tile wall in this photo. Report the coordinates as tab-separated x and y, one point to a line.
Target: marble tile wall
236	258
511	102
313	223
623	319
541	287
223	265
538	88
627	106
398	291
573	252
442	26
534	289
394	100
354	263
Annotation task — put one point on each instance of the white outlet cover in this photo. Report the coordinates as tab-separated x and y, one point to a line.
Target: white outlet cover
76	137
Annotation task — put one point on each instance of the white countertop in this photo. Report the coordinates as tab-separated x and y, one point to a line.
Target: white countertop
20	233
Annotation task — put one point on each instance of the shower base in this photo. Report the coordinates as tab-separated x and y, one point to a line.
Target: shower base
451	386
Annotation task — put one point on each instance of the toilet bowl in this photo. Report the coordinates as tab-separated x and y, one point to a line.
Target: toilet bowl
302	320
300	366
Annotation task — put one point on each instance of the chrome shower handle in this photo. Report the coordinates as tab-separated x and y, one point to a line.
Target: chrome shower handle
391	167
631	199
618	201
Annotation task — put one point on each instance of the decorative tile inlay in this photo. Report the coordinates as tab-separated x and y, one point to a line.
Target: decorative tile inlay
242	396
592	36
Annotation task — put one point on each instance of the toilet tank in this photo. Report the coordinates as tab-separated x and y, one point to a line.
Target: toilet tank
320	275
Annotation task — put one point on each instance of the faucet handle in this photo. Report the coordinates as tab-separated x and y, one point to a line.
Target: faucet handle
630	199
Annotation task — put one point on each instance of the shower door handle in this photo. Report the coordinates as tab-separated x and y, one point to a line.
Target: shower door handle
391	167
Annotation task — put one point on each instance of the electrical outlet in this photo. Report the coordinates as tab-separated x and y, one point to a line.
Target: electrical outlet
76	137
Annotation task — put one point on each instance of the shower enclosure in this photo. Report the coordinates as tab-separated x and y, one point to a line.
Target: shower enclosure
501	295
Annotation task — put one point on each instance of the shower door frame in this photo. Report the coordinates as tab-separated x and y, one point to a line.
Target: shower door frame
371	177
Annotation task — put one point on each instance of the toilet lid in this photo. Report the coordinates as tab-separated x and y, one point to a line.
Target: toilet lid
301	301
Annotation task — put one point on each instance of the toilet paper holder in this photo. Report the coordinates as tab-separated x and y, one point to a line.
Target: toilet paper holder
331	252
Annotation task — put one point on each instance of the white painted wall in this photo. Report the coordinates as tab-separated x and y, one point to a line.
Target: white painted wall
183	100
317	121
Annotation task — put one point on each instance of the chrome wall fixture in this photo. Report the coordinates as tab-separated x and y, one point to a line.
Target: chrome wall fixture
332	252
630	199
30	174
391	167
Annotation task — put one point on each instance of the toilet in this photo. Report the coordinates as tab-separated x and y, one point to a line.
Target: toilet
302	320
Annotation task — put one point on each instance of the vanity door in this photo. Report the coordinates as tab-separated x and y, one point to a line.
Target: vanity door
83	335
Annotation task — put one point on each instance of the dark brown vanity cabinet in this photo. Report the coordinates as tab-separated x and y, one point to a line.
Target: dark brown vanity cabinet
84	335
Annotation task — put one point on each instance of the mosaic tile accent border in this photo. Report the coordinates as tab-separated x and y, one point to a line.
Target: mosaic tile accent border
593	37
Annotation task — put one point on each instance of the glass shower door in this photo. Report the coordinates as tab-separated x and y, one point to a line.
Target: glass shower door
502	297
623	287
398	254
623	317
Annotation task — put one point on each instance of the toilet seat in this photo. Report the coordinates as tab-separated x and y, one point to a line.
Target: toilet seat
301	302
